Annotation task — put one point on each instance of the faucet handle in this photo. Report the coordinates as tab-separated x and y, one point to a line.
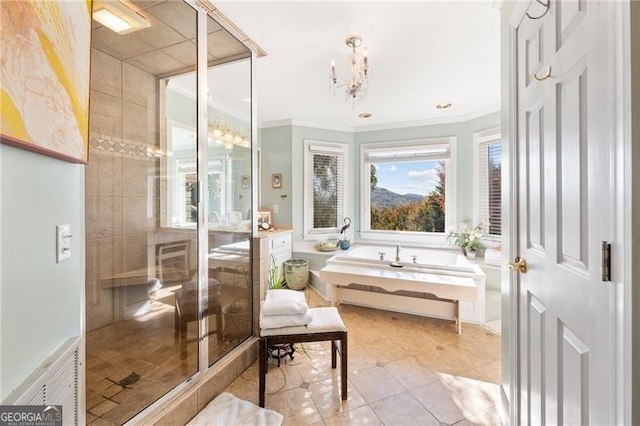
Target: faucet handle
414	258
381	255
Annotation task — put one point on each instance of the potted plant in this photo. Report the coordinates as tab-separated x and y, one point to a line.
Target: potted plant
276	282
467	238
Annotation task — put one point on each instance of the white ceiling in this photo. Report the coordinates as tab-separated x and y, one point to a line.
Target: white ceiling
421	54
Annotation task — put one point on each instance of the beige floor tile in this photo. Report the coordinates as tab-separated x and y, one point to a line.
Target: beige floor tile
410	373
491	372
452	398
401	410
442	360
488	417
375	383
327	397
361	416
296	405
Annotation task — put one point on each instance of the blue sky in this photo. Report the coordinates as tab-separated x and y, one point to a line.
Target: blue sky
408	177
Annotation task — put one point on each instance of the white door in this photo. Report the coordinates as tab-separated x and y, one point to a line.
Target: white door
565	198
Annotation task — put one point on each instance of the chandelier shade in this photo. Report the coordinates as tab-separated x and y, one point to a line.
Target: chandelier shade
356	85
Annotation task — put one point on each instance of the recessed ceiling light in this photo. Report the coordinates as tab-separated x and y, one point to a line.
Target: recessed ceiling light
364	115
443	105
118	17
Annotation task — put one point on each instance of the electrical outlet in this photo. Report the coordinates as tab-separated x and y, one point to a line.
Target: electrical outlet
63	243
275	209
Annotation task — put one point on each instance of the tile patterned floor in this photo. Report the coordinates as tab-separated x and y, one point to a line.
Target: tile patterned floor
403	370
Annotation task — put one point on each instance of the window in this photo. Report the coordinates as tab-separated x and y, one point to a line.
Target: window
324	187
488	174
408	187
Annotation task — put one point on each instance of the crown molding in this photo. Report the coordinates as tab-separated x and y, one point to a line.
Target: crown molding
290	122
430	121
385	126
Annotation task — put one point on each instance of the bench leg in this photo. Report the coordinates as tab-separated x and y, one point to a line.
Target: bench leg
457	312
343	366
334	354
262	371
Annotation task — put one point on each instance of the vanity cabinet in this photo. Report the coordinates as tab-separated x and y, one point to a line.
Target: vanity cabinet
275	243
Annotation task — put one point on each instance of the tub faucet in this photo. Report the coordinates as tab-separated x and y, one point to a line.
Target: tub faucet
398	253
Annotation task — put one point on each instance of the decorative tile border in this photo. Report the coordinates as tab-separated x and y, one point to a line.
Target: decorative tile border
117	147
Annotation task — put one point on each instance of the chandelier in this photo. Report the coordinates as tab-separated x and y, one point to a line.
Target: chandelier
358	81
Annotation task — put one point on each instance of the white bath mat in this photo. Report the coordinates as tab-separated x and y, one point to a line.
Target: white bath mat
227	410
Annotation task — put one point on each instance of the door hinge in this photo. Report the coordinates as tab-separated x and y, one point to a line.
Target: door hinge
606	261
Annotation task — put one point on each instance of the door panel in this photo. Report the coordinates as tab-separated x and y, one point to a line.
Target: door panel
573	359
566	361
573	172
535	172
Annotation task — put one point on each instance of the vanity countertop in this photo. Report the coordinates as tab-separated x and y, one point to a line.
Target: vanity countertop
276	229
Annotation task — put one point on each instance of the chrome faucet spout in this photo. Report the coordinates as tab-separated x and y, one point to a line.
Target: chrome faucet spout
398	253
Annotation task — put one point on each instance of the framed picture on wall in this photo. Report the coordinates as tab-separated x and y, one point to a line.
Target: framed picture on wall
276	180
55	120
244	181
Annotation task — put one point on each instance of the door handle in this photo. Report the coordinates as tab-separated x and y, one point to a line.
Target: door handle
518	264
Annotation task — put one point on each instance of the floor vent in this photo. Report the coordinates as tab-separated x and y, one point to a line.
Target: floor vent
55	382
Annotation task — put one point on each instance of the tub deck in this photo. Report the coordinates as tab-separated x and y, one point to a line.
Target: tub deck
446	288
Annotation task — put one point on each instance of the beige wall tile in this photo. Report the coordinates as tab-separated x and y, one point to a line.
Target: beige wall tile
103	217
135	177
139	87
182	413
138	123
134	253
106	73
216	385
105	115
134	215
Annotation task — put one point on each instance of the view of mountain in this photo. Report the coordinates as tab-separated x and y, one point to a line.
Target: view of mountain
383	198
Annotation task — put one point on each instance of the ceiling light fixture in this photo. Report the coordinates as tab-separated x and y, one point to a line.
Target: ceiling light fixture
359	73
118	17
443	105
221	134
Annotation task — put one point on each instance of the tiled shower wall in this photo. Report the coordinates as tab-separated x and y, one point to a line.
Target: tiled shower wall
120	176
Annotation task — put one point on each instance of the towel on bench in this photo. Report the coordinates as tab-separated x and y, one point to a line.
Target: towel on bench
284	302
279	321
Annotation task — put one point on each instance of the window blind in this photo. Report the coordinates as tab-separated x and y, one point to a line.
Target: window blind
324	187
490	186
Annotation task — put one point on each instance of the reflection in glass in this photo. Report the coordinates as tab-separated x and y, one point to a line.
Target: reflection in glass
229	171
140	284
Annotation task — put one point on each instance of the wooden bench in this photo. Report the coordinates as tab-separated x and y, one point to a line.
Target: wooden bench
326	325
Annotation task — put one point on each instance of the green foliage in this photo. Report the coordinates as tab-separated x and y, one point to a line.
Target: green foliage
275	282
425	216
373	180
466	237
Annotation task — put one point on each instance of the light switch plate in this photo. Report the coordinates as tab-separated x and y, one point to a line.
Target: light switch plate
63	243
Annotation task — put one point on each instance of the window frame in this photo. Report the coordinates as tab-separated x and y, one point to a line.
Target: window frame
483	138
342	152
435	239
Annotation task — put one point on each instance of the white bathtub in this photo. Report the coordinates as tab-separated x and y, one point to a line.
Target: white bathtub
439	283
424	258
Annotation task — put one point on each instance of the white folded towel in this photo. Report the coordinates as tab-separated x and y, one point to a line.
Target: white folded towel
279	321
284	302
